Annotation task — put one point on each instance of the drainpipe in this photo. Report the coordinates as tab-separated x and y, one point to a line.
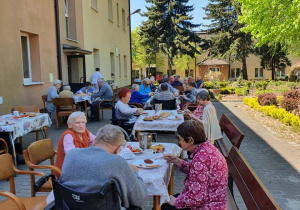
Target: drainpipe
130	57
57	33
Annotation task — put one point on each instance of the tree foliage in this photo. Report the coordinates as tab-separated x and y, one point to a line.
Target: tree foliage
230	41
168	28
272	21
272	57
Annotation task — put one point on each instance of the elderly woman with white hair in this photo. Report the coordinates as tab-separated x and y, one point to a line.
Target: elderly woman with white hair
52	94
137	97
145	88
77	136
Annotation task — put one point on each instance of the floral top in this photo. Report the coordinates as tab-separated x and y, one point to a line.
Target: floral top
206	180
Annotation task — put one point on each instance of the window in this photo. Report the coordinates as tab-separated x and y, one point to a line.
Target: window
96	58
125	65
30	54
110	10
94	4
120	69
280	72
259	72
123	19
112	64
118	15
214	69
70	16
235	73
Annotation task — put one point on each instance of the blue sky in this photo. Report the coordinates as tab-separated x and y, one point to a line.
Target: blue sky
198	12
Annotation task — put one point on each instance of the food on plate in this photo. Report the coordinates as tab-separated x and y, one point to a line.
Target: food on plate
129	147
16	117
148	119
144	113
158	148
136	150
165	114
25	115
148	161
156	117
31	115
177	118
179	111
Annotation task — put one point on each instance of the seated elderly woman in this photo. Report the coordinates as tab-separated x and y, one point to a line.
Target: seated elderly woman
77	136
123	110
205	184
208	117
52	94
137	97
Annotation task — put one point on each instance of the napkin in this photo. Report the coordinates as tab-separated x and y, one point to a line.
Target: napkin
126	154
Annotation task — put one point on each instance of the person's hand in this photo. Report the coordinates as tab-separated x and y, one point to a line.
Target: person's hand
89	93
192	116
184	97
151	93
139	110
170	158
172	200
94	91
134	168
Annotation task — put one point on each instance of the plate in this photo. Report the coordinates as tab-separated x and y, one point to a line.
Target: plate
141	164
137	151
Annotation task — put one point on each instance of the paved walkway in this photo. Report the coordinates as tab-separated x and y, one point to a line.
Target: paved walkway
275	161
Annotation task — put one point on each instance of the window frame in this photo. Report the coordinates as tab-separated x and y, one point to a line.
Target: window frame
258	72
26	80
95	7
110	10
125	65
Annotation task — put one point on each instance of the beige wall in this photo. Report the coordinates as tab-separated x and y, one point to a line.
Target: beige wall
37	19
106	35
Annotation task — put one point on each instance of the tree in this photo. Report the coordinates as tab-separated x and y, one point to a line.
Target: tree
168	28
272	22
230	41
272	58
183	61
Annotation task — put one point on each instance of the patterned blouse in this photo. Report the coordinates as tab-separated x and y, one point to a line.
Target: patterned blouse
206	180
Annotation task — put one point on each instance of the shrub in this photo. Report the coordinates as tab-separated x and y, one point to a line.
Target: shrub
239	81
209	85
227	90
289	104
291	84
267	99
295	94
241	91
248	84
258	92
223	84
283	89
211	95
219	97
261	85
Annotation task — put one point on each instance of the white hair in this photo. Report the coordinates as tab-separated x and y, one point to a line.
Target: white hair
56	81
133	87
109	135
67	87
75	115
100	80
152	79
146	80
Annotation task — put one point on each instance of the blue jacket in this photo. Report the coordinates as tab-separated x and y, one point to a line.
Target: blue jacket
144	90
136	97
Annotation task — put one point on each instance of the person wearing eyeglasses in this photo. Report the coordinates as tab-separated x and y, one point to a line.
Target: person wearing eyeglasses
145	88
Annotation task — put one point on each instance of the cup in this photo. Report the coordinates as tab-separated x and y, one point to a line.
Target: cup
16	113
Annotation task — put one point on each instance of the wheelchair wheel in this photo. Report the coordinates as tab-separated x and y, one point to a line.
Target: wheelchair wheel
127	138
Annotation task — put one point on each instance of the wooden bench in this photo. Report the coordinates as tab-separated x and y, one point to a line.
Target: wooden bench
252	190
233	133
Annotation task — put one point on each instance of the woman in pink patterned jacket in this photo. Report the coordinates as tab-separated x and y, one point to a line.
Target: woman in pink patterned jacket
206	175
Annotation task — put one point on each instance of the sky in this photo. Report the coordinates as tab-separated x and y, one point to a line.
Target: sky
198	13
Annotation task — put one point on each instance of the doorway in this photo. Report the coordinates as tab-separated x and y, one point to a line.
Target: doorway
76	72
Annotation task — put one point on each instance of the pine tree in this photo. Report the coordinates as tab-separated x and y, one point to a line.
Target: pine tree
169	28
231	41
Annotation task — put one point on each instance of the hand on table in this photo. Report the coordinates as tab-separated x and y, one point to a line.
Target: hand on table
172	200
139	110
134	168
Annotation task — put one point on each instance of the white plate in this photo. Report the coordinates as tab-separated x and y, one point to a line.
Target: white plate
141	164
137	152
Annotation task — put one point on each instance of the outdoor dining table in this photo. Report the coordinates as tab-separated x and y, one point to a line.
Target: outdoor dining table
21	126
166	124
158	181
83	98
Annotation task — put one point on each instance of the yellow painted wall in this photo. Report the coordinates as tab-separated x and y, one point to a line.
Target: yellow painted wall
105	35
37	18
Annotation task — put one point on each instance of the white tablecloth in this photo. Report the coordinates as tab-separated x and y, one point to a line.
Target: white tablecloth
20	127
157	179
82	98
148	104
157	125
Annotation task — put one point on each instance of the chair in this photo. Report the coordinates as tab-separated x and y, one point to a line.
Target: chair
66	198
36	153
8	171
58	102
126	128
3	147
179	88
138	83
106	105
36	109
136	105
190	106
167	104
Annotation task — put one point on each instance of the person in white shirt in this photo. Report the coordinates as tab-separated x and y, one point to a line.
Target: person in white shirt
95	76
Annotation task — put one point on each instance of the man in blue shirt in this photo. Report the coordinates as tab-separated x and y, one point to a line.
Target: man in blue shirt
136	97
145	88
87	89
199	82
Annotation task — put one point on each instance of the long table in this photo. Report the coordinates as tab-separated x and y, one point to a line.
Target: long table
21	126
158	181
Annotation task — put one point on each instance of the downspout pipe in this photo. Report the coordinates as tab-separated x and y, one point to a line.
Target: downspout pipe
129	18
57	33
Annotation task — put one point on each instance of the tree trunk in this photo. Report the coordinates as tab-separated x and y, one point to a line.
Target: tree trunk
244	68
273	69
170	66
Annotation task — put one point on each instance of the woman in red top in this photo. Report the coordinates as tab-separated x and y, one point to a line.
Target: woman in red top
206	175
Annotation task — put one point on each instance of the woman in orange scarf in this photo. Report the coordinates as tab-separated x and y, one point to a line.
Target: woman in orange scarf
77	136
